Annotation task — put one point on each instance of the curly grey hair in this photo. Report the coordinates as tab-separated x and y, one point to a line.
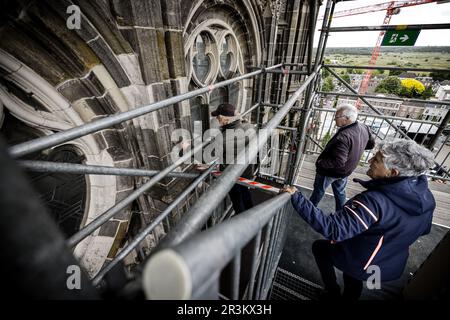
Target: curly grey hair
348	110
408	157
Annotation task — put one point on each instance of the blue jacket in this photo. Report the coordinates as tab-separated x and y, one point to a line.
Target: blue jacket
376	227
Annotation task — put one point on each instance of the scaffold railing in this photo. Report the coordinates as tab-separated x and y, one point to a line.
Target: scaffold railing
188	261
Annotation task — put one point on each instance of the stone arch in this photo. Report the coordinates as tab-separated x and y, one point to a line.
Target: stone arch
75	79
101	190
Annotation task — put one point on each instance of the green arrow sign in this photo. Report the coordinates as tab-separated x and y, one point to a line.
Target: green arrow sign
400	37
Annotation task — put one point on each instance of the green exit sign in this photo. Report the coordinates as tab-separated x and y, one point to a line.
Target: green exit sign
400	37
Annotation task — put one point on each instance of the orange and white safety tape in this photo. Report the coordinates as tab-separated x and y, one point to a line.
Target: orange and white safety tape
251	183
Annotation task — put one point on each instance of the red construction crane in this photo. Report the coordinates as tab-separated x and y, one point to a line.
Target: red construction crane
392	7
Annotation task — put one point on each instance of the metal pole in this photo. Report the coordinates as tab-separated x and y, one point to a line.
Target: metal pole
438	177
322	32
286	72
442	146
236	272
199	213
312	27
301	132
273	105
290	176
333	4
188	266
258	111
260	85
314	141
104	217
94	126
141	236
340	66
279	242
392	27
379	116
271	253
254	264
287	128
75	168
249	110
446	103
263	262
440	129
294	64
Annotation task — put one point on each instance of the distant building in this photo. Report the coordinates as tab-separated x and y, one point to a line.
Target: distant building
434	112
435	85
427	81
355	80
443	92
373	84
406	75
346	100
413	110
386	107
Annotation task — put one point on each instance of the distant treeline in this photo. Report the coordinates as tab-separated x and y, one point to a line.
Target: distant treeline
368	50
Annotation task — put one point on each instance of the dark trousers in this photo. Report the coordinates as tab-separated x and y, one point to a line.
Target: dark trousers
241	198
352	287
321	183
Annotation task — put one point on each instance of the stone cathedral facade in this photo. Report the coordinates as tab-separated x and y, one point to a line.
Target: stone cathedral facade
126	54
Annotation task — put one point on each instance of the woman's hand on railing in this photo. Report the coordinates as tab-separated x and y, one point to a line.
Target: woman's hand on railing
289	189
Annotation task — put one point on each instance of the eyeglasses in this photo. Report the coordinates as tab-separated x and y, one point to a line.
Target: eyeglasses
339	117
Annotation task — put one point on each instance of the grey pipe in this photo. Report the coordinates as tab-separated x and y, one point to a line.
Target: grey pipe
141	236
75	168
196	217
446	103
340	66
104	217
179	272
392	27
250	110
97	125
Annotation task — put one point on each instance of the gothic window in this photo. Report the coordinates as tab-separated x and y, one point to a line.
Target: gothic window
201	61
218	96
227	56
213	55
63	194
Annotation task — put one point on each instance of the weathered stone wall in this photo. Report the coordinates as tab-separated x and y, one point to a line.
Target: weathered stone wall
130	53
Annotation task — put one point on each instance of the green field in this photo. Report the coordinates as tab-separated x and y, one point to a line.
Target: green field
434	60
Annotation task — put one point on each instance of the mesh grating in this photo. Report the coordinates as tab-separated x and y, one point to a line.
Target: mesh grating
289	286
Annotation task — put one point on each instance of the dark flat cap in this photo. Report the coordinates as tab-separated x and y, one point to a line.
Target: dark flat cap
224	109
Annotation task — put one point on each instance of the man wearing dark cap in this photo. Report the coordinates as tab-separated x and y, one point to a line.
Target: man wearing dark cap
237	134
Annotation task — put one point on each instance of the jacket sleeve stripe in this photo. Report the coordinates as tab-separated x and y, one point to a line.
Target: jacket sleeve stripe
374	253
356	215
367	209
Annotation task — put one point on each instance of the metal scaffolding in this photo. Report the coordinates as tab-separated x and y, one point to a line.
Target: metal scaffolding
188	261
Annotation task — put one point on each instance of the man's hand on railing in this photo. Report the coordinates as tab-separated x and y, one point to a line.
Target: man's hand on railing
201	167
289	189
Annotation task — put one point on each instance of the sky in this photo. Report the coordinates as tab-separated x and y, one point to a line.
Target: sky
420	14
